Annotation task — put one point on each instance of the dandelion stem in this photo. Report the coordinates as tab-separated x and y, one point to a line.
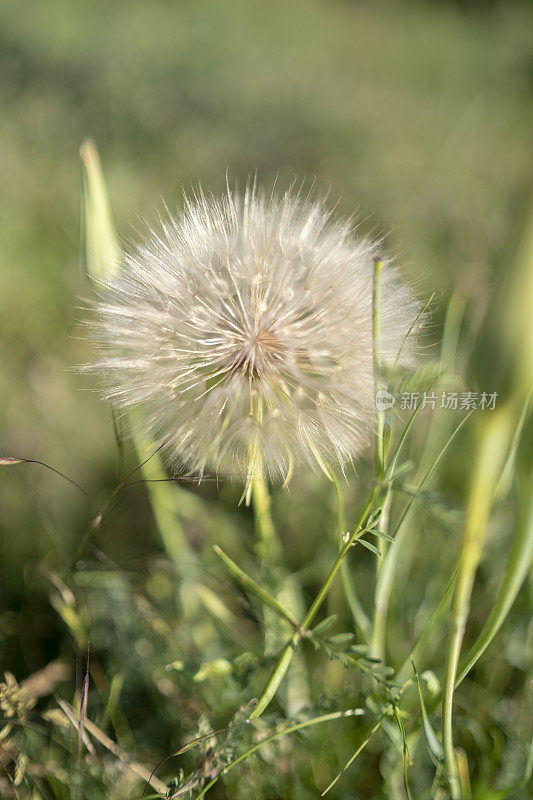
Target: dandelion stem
284	660
268	544
284	590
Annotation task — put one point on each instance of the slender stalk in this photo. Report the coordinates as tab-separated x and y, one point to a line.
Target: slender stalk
359	616
285	590
377	647
515	574
386	567
376	350
413	326
493	443
386	574
358	532
268	545
254	587
300	726
284	660
379	622
517	569
354	756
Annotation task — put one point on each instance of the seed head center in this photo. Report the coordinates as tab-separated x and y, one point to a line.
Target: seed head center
257	351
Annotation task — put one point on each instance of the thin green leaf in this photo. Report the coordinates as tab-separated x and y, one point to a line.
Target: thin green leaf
99	239
352	759
402	470
528	771
374	517
251	585
383	535
515	574
370	547
414	324
406	754
434	744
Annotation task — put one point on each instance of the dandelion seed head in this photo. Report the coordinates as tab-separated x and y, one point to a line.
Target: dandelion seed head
240	333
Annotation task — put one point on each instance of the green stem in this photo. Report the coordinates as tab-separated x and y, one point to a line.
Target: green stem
254	587
377	634
387	566
300	726
491	452
284	660
515	574
354	756
284	588
359	616
379	622
376	350
268	545
386	574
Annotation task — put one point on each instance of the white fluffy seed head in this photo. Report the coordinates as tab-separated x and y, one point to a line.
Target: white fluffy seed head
241	334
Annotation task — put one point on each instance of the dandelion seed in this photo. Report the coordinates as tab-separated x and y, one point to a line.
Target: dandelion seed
241	334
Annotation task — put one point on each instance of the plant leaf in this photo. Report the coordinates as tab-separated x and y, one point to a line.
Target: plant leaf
370	546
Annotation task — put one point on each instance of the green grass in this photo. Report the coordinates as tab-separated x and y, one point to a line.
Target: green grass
419	116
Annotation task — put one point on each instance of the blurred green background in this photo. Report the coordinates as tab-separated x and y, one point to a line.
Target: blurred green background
418	115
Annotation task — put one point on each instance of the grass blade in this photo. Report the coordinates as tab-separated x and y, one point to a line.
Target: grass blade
249	584
493	441
515	574
354	756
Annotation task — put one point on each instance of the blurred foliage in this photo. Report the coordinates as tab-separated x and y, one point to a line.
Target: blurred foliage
417	114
